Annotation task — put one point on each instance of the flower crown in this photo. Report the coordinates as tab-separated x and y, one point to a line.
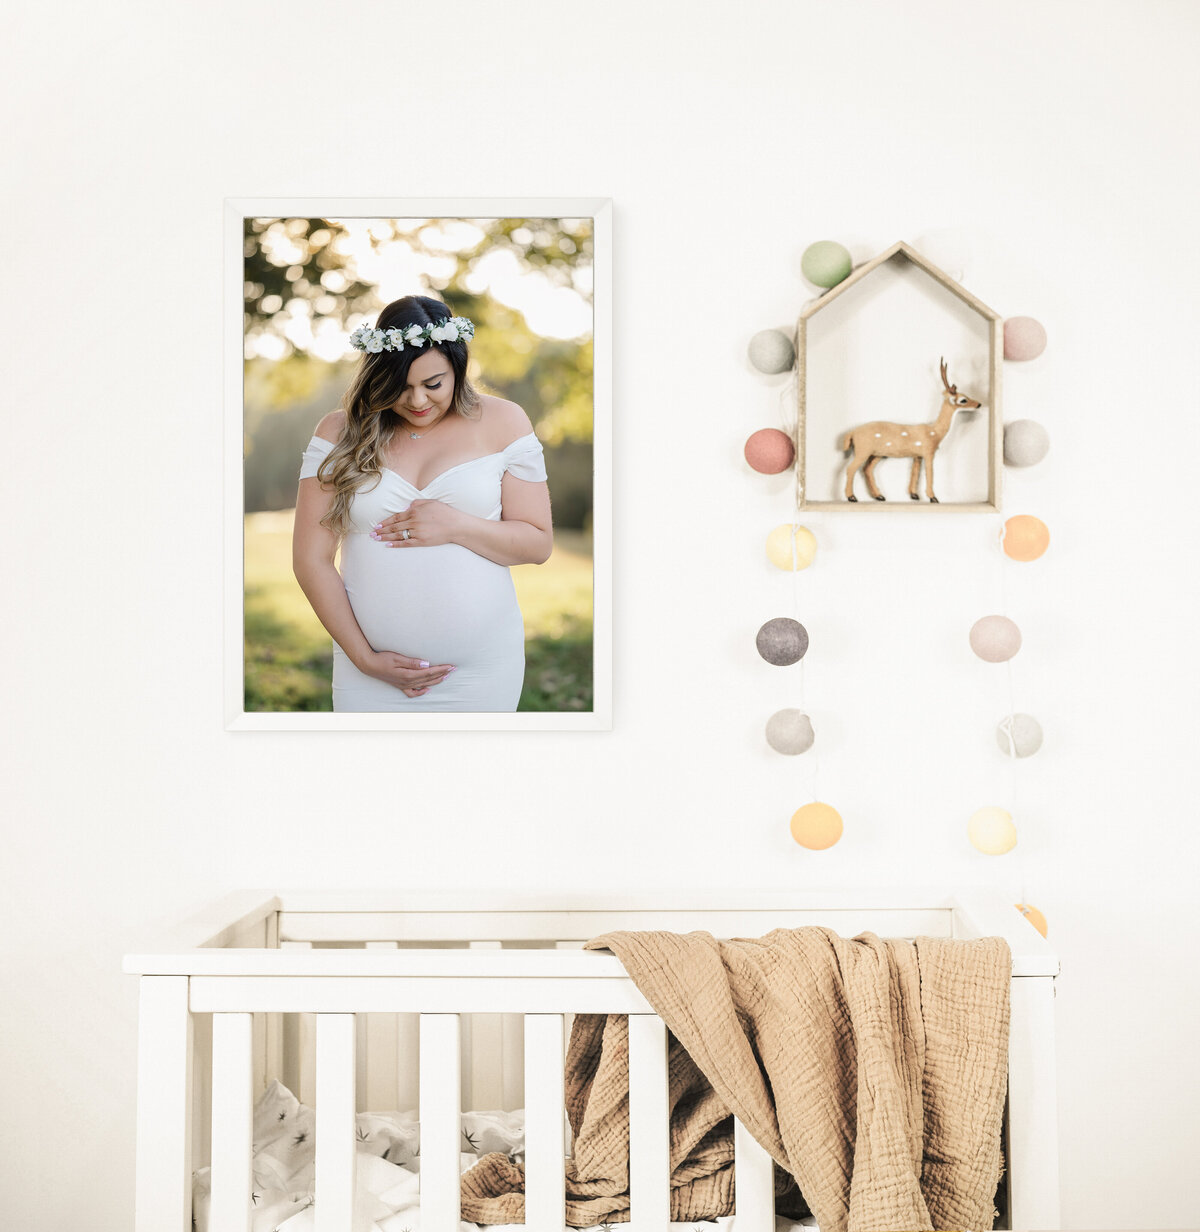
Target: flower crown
449	329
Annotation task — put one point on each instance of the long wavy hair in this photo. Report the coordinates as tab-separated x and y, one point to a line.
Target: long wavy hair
378	383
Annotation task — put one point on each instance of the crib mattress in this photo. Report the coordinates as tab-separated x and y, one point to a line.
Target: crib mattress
388	1168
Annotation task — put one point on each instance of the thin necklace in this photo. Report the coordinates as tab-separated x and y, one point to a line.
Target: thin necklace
416	436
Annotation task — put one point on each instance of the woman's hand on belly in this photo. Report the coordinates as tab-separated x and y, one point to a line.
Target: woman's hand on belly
427	523
413	676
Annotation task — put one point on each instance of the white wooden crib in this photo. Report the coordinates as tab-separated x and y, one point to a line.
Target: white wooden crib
392	999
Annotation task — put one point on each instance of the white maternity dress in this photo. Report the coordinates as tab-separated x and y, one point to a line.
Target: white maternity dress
444	603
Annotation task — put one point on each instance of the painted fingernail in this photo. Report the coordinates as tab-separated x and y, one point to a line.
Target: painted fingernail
422	663
374	535
453	669
377	526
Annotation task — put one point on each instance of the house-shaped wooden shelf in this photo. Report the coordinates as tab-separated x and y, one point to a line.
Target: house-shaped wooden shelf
869	349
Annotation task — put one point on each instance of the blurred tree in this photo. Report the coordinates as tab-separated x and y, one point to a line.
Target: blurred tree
305	267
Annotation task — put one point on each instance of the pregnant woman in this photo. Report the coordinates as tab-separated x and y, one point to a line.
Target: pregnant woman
431	490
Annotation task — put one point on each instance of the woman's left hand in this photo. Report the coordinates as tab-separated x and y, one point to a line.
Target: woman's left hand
423	525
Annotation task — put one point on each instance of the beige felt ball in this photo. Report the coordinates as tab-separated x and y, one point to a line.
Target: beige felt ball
1024	338
1026	442
1019	735
817	826
782	641
1034	916
991	831
769	451
771	351
995	638
791	547
790	731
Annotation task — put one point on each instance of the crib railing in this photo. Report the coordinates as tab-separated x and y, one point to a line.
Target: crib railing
482	982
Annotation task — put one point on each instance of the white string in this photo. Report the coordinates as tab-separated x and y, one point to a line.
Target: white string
1007	723
815	770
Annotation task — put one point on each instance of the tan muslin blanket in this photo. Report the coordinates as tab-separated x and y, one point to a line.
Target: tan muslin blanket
873	1071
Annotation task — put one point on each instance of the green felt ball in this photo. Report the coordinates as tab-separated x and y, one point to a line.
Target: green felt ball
826	263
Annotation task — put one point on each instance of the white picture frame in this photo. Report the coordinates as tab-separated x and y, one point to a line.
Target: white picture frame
236	211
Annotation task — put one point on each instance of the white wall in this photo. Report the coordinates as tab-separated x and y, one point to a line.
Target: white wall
1059	140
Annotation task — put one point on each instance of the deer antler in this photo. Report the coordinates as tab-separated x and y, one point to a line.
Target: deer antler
950	389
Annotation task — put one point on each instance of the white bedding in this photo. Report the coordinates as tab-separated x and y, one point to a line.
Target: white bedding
388	1197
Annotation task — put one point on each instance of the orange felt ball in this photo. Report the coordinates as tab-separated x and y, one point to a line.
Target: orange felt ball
816	826
1025	537
770	451
1034	916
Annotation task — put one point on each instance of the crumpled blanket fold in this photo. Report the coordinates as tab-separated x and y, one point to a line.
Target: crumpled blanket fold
873	1071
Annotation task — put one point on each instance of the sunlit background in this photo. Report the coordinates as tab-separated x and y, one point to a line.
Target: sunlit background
526	283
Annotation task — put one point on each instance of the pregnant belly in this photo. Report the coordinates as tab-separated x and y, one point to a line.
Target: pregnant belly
444	604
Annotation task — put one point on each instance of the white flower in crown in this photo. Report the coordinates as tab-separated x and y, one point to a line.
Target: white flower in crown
445	331
375	341
358	339
415	334
395	338
465	327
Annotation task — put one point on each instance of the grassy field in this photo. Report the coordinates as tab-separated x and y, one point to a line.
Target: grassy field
289	660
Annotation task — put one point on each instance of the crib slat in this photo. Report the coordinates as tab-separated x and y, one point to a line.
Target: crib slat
232	1121
302	1081
649	1124
335	1123
441	1089
408	1065
754	1179
545	1195
377	1054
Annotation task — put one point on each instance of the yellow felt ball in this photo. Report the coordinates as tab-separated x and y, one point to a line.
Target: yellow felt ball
816	826
991	831
1033	915
780	547
1025	537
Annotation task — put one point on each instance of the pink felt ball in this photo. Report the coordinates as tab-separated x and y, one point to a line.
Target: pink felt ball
1024	338
770	451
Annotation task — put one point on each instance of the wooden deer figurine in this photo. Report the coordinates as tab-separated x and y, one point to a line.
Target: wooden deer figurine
881	439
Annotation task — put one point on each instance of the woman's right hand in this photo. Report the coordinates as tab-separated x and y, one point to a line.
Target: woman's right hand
413	676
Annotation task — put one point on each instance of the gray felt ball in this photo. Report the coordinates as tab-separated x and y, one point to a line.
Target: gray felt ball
782	641
1019	735
1026	442
995	638
790	731
771	350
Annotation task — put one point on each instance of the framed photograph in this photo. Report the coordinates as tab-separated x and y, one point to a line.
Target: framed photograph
418	456
898	380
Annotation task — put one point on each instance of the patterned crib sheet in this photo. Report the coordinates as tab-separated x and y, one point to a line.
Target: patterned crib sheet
388	1169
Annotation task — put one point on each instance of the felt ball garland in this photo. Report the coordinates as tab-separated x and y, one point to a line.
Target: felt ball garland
791	548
